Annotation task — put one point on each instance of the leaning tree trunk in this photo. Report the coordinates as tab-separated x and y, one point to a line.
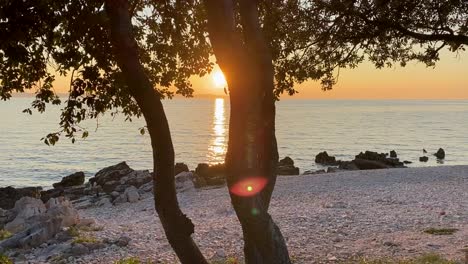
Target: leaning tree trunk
177	226
252	150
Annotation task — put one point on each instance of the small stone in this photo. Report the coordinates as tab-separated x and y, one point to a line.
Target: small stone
132	194
79	249
123	241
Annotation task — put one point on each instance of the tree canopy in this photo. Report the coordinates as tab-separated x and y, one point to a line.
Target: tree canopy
42	39
308	39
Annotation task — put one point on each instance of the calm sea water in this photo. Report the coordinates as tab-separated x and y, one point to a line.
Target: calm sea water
199	128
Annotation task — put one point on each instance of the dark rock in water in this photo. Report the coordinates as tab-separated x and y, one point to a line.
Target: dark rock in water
287	161
378	158
286	167
423	159
371	155
75	179
347	165
287	170
407	162
52	193
364	164
206	175
119	177
71	193
110	177
440	154
180	167
332	169
9	195
313	172
393	154
325	159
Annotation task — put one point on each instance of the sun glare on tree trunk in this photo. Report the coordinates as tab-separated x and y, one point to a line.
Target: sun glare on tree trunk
218	79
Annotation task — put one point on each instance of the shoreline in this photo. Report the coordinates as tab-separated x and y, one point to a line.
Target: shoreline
323	217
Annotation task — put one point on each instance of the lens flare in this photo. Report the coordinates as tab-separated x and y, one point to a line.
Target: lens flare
249	186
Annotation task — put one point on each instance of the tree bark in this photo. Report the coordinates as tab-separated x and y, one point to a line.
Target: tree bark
252	150
177	226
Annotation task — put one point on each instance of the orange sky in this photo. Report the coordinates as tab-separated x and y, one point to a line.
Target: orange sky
448	80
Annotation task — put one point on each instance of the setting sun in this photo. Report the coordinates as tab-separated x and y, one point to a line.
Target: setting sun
218	79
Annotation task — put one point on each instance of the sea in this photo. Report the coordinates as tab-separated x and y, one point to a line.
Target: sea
199	129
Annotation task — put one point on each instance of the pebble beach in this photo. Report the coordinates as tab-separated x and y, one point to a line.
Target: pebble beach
324	218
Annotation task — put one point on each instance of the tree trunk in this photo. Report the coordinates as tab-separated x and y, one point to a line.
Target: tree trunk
252	150
177	226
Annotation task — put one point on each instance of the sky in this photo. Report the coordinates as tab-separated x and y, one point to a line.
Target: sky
447	80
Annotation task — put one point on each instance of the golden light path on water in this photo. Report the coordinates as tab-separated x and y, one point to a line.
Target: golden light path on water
218	144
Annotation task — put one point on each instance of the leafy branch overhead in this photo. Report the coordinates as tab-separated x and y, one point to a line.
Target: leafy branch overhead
308	40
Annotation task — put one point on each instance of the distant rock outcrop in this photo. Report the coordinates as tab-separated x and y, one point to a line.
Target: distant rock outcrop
423	159
324	159
9	195
119	177
75	179
209	175
286	167
180	167
440	154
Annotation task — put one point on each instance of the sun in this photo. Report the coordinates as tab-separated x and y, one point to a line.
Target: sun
218	79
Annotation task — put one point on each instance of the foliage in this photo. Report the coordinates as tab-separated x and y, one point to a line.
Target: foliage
4	234
131	260
425	259
308	39
45	38
5	260
73	231
441	231
84	239
313	39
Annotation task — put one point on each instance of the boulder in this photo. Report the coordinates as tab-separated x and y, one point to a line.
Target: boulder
184	181
147	187
209	175
423	159
9	195
393	154
132	195
287	170
71	193
287	161
36	223
61	208
286	167
348	165
440	154
75	179
407	162
324	159
25	208
108	178
136	178
377	158
363	164
5	217
180	167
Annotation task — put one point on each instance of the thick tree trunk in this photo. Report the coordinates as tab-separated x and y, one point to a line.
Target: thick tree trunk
177	226
252	150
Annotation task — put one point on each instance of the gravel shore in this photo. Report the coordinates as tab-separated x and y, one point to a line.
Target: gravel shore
324	218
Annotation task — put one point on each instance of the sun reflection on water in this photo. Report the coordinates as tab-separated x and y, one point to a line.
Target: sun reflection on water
217	148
